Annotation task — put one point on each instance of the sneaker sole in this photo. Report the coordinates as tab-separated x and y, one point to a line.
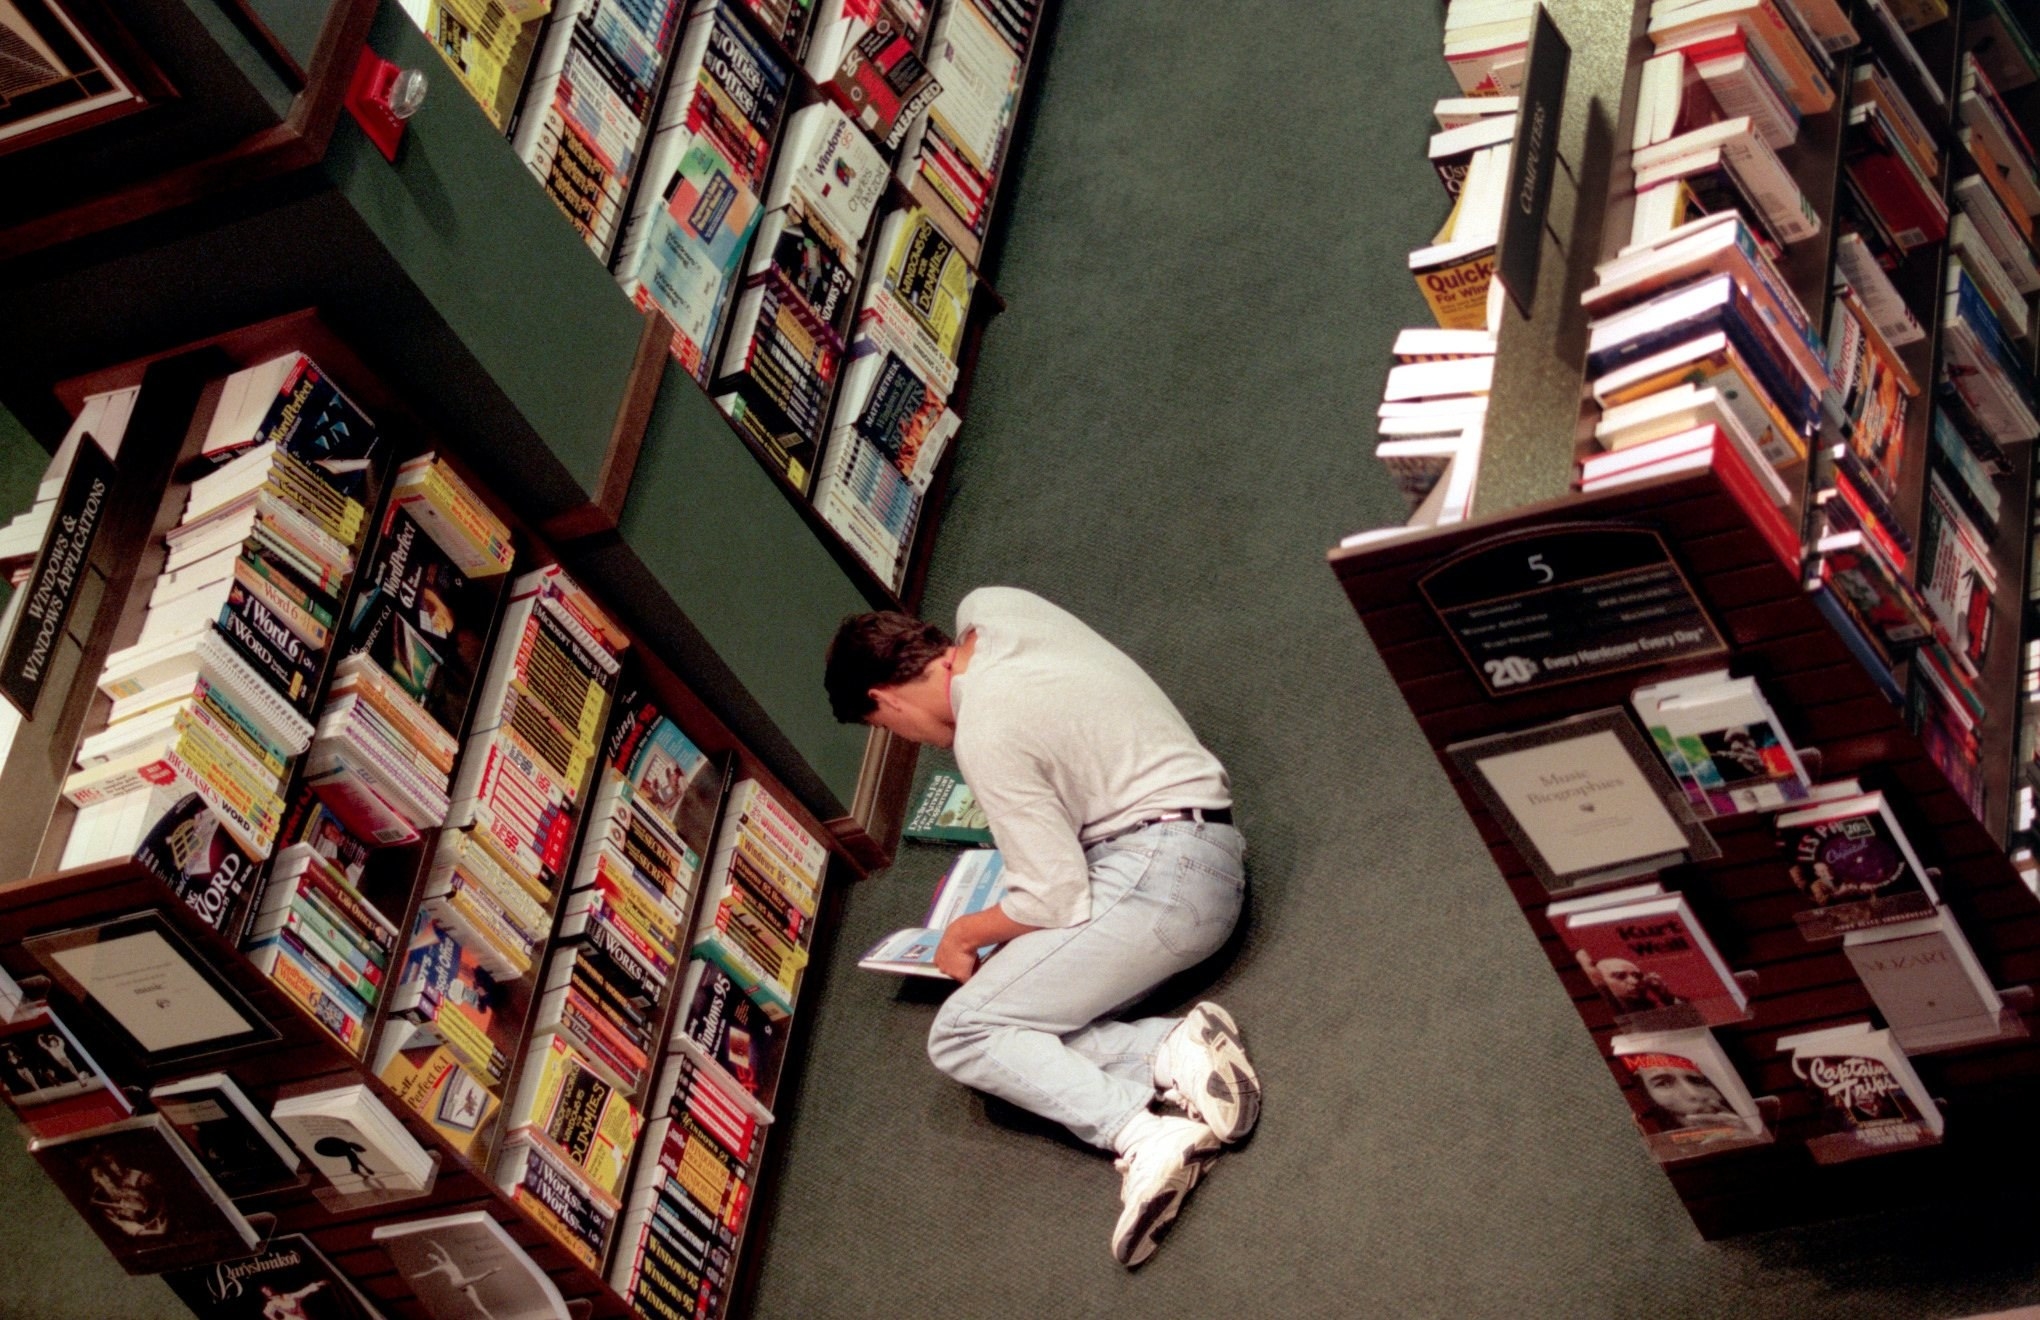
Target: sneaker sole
1159	1212
1231	1102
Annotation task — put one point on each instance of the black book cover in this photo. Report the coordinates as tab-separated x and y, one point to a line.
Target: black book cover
312	420
188	849
240	1160
421	620
288	1281
734	1031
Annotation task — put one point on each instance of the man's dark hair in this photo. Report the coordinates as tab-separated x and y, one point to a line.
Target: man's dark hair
881	649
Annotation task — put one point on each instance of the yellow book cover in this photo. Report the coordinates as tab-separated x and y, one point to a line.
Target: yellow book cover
442	1091
1456	285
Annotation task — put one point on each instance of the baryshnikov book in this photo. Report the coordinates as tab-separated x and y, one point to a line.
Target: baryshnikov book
288	1280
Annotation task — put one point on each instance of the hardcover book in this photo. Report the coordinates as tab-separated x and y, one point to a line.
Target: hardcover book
231	1137
1866	1085
466	1265
1927	982
947	812
1693	1095
289	1280
1850	857
145	1194
1650	955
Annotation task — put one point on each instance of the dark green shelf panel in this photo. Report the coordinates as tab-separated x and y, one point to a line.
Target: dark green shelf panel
472	230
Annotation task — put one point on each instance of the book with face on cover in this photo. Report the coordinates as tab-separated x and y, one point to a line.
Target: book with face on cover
1692	1091
1853	861
974	882
1648	954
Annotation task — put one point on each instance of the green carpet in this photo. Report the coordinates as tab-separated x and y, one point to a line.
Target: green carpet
1205	268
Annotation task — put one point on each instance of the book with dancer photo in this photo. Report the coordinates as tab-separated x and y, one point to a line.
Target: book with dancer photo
466	1265
974	882
290	1280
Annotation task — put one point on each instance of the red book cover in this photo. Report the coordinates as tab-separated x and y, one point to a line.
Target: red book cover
1651	955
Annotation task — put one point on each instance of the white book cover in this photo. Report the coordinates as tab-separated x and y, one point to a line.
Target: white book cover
353	1141
466	1266
1926	981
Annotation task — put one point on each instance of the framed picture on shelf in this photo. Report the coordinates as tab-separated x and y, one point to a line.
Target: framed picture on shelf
145	1195
62	71
152	995
1585	801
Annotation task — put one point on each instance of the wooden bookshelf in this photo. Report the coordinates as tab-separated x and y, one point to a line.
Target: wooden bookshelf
179	390
1750	579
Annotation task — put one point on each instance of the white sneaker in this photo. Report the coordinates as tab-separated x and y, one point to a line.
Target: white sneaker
1162	1157
1203	1066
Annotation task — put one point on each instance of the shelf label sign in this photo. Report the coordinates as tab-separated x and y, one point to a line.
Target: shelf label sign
1561	604
1532	158
60	567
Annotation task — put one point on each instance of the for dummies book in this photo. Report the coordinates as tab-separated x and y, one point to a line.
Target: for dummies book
947	812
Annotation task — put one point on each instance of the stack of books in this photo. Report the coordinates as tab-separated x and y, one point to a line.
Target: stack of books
952	156
488	45
571	1137
1431	420
1892	163
685	1210
587	107
384	750
1698	340
210	705
892	421
1455	271
758	901
705	166
324	944
1486	42
723	1032
444	998
354	1141
799	288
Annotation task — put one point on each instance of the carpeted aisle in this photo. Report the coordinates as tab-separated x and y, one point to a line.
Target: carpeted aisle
1172	423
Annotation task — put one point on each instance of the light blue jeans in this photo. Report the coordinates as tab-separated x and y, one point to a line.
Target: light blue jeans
1033	1025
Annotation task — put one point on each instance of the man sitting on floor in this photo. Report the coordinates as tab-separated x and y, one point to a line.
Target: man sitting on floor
1123	868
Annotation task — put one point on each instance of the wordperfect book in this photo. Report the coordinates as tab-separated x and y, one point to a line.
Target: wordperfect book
974	882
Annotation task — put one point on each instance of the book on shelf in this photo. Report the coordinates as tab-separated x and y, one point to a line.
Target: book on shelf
289	402
144	1193
1454	150
233	1139
585	1116
1972	480
678	1237
1864	1083
1452	111
1724	742
460	1264
1898	189
1734	151
444	995
1956	576
548	1188
882	82
1853	850
1926	981
1693	1095
443	1090
1991	133
1999	231
1770	37
759	898
974	882
289	1277
1710	361
353	1141
1981	364
53	1084
692	248
1486	46
1647	955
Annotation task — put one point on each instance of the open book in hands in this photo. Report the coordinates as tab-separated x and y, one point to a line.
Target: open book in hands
974	882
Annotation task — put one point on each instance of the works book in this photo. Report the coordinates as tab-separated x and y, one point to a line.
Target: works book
973	883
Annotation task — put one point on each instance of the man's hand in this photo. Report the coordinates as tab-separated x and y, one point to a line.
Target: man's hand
956	955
